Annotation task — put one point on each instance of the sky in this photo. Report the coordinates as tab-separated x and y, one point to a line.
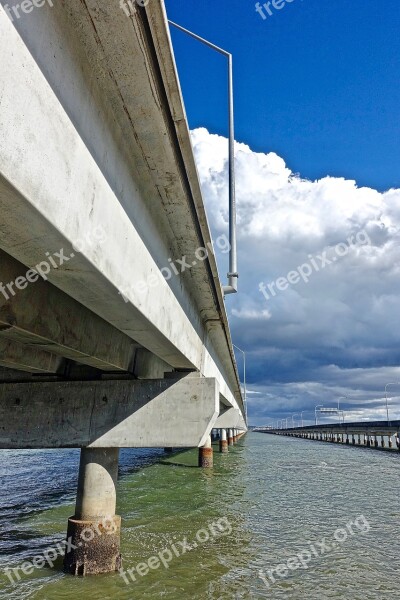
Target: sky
318	194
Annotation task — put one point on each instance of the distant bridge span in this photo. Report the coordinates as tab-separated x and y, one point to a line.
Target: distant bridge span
365	433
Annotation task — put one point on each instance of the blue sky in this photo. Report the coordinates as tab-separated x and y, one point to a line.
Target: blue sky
317	82
318	163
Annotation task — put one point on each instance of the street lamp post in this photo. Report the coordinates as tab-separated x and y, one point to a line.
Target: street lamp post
317	406
294	415
338	407
232	286
387	407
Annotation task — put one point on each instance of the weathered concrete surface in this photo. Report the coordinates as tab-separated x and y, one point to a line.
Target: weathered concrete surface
98	473
94	153
94	552
230	437
108	414
223	442
94	530
206	455
14	355
228	419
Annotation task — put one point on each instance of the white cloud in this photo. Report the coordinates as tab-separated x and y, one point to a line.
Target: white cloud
346	316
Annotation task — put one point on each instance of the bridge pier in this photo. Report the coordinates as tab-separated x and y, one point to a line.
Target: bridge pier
382	441
94	531
223	442
206	455
230	437
390	443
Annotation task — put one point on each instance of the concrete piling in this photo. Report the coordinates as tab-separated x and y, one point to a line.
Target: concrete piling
223	442
230	437
206	455
94	531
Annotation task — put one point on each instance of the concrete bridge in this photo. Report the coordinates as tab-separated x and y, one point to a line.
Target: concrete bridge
372	434
113	328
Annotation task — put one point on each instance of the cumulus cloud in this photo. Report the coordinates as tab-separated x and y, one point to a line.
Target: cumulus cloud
305	343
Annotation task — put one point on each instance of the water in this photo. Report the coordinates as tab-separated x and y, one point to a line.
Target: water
283	500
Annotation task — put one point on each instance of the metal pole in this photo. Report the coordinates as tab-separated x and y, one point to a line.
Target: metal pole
231	288
232	275
387	406
317	406
338	407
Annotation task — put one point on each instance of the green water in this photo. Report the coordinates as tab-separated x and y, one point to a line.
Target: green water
275	497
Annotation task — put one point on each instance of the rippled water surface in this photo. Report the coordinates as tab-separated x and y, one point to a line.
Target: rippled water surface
281	497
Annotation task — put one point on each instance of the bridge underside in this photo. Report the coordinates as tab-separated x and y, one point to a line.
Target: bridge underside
99	197
98	189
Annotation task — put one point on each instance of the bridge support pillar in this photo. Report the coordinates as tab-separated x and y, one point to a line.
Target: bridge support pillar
376	443
353	440
359	439
230	437
235	436
368	441
94	530
382	441
390	443
206	455
223	442
347	440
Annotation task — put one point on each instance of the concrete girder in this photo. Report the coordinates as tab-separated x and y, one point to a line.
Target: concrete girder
14	355
89	180
228	419
43	317
108	414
